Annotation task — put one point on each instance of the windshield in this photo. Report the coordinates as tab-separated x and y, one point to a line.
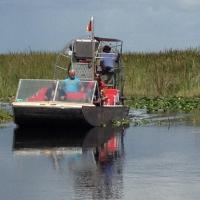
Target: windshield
33	90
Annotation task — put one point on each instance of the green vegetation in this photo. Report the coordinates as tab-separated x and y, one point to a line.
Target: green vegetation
170	73
5	116
121	123
30	65
165	104
165	81
157	81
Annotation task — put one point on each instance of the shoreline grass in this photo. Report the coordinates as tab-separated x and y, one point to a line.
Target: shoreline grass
5	116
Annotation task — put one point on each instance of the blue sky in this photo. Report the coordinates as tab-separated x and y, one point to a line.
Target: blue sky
143	25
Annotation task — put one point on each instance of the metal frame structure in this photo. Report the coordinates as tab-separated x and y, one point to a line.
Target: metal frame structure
87	66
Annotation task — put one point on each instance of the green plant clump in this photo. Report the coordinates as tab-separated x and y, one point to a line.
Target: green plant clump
173	104
122	122
5	116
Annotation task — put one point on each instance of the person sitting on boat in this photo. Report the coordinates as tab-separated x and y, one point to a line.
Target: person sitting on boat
107	63
107	60
99	98
72	83
100	82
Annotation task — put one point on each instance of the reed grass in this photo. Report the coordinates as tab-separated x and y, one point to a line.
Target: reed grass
15	66
169	73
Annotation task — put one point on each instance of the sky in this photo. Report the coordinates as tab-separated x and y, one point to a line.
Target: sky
143	25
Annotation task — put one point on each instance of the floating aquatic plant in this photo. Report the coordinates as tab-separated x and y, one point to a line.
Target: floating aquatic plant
5	116
165	104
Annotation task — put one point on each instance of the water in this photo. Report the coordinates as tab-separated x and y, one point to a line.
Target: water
146	162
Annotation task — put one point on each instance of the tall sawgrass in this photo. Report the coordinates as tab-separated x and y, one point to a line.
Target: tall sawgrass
15	66
170	73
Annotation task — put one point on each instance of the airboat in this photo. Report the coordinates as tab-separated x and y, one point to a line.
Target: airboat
33	107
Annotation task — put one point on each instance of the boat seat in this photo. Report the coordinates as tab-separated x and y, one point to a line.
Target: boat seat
39	96
75	96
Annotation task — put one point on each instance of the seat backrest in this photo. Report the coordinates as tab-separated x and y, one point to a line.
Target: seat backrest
39	96
75	96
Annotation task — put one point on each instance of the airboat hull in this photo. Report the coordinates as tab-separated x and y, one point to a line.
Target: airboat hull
104	115
66	115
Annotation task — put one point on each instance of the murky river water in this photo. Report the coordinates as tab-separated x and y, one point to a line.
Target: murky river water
146	162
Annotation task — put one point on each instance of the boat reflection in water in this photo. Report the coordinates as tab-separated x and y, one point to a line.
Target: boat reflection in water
94	157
